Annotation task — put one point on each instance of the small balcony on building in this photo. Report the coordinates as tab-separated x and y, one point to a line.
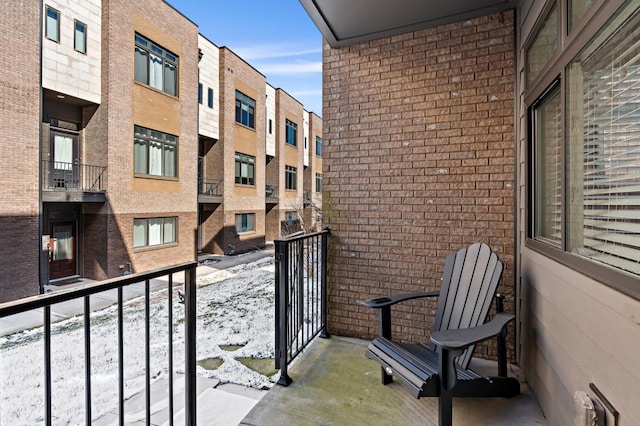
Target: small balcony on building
209	191
271	194
72	182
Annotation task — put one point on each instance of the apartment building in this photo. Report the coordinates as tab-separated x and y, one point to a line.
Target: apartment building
139	143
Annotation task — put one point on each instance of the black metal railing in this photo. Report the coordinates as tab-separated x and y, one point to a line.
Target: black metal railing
209	187
84	294
59	176
271	191
301	296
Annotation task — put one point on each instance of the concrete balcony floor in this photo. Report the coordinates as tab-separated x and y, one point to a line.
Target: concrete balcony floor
334	384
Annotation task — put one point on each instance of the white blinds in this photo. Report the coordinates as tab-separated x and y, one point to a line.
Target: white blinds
611	149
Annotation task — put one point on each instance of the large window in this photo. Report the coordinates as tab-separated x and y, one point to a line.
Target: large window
245	222
154	231
318	146
290	177
292	132
155	153
245	110
155	66
245	169
52	24
586	154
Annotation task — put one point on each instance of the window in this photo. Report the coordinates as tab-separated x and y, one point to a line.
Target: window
291	217
604	149
543	47
270	126
154	152
577	9
318	182
245	110
245	222
290	177
80	38
547	131
210	97
245	169
154	231
318	146
155	66
587	171
52	24
200	93
292	133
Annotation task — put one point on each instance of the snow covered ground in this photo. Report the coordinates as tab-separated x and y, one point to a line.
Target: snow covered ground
235	307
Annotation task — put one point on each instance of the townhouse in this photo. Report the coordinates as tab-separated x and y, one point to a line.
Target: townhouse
137	143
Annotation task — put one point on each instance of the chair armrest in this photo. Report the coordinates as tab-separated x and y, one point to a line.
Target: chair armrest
464	337
381	302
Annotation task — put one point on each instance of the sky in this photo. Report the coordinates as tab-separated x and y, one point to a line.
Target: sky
276	37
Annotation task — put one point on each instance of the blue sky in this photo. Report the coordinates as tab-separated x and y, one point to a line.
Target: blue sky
276	37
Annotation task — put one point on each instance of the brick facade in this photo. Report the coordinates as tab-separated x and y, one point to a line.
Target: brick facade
418	162
19	97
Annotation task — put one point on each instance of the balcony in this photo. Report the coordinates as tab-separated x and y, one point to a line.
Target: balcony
69	182
332	373
209	191
271	194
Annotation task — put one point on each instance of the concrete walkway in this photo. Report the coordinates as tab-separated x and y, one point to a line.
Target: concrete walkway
207	264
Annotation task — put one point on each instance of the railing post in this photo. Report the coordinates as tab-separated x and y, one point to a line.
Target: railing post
282	296
190	406
323	283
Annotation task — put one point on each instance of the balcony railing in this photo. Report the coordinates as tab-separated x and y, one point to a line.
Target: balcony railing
209	191
58	176
271	194
73	182
83	295
301	296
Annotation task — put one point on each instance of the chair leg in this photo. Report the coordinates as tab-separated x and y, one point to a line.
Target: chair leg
445	409
386	378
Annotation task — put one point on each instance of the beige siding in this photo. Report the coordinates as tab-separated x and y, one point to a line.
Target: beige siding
573	330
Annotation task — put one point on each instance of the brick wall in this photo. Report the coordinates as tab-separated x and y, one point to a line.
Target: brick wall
418	162
125	103
19	100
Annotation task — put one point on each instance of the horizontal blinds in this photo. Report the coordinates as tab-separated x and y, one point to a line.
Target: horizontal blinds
611	191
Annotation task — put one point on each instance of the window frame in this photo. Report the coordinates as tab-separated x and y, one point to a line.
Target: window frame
244	217
599	17
167	58
75	36
164	142
291	132
46	20
250	161
290	178
242	101
147	221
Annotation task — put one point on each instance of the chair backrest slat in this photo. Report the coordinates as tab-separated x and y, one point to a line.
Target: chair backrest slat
469	283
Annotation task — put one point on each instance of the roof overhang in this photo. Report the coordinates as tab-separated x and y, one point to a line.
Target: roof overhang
344	22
